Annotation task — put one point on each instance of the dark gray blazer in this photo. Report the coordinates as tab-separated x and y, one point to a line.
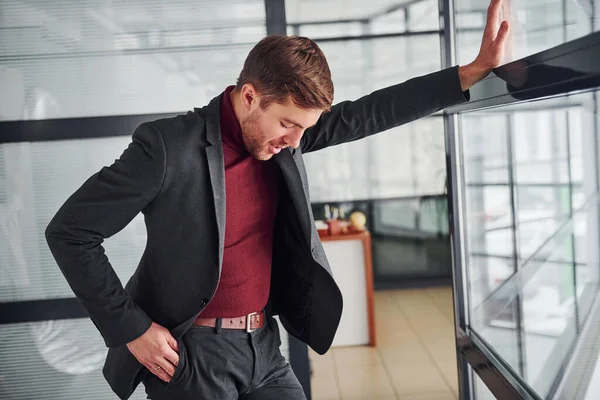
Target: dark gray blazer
173	173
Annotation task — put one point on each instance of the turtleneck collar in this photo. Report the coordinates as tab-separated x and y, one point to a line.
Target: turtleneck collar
231	131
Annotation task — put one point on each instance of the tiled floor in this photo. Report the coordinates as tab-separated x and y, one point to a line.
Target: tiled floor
414	358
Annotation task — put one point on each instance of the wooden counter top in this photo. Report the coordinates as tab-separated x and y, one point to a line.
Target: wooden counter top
346	236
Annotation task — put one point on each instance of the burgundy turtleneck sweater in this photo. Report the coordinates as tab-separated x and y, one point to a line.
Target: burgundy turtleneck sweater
251	204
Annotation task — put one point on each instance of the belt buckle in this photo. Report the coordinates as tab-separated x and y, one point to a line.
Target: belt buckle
248	321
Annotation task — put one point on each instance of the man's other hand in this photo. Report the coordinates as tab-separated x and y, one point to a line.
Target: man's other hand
491	51
156	348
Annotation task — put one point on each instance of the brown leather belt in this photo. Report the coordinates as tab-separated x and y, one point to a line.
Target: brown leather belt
248	322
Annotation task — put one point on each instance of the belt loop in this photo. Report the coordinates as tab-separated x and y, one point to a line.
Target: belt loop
218	324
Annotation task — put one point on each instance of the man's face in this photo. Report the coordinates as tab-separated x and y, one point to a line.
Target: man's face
266	132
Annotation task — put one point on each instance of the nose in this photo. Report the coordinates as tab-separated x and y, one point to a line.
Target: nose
293	139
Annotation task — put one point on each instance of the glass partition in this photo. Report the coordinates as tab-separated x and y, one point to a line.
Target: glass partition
369	46
532	320
523	177
524	174
526	200
97	58
536	25
61	63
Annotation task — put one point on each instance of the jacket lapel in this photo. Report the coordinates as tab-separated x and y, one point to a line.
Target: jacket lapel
288	165
216	167
296	186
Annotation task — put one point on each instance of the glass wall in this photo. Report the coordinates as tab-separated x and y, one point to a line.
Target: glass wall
527	195
531	229
397	174
524	177
75	60
536	25
36	178
371	45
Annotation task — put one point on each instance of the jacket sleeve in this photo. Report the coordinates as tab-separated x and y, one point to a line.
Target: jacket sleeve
385	109
101	207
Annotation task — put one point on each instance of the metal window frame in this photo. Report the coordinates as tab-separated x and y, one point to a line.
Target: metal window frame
298	351
455	201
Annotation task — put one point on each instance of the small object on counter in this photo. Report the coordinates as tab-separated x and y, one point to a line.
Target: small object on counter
327	212
345	225
358	220
335	228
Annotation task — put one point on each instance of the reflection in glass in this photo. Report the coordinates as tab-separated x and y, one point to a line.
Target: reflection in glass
531	230
535	25
485	149
532	320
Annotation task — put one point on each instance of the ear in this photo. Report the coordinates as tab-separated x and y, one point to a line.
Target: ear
249	96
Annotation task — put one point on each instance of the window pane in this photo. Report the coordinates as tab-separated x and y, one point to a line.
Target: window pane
35	180
59	360
61	60
535	25
529	321
485	149
423	15
377	16
541	212
490	242
359	67
405	161
546	194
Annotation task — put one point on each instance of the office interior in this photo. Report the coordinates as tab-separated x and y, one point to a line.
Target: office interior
482	230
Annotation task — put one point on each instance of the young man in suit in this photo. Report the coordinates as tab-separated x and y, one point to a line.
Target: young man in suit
231	240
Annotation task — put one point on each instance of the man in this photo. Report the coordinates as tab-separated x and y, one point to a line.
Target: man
231	241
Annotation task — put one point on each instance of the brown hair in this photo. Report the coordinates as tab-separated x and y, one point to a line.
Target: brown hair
279	66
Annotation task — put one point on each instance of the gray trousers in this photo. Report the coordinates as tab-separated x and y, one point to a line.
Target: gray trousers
227	364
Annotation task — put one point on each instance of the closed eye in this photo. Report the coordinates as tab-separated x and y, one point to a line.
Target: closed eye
286	127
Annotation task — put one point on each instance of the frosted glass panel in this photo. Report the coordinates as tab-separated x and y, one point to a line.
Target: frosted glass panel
359	67
358	17
35	180
73	59
51	360
405	161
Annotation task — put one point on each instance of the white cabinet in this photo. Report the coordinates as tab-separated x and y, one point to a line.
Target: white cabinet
350	258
